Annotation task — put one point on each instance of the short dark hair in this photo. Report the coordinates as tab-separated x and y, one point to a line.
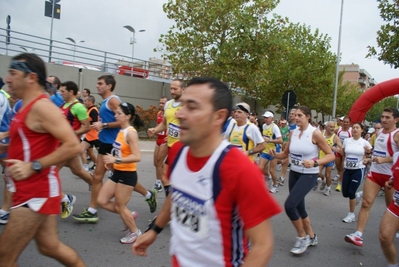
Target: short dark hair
305	110
393	110
222	97
57	82
87	91
91	99
108	79
35	64
347	117
360	124
71	86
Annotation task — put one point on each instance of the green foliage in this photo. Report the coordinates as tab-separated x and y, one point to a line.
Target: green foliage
374	114
388	35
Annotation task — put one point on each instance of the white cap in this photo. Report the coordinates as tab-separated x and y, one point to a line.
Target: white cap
268	114
243	106
342	118
371	130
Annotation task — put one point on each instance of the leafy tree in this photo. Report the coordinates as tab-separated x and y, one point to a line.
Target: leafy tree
388	35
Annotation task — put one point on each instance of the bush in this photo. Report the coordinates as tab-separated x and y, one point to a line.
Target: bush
149	118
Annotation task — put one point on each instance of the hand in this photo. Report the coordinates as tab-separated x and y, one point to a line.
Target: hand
109	159
19	169
389	184
338	150
272	152
308	163
151	132
143	242
367	150
366	161
378	160
97	125
267	139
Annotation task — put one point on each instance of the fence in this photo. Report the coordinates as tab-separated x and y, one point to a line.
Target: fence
83	57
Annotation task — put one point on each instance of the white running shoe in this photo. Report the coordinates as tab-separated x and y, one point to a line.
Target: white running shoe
278	167
336	178
327	191
274	189
301	245
130	237
351	217
323	185
317	184
280	181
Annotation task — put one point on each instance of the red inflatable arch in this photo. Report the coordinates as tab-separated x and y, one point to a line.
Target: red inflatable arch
372	96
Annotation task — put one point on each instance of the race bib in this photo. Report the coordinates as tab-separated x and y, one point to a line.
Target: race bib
396	198
352	163
296	159
190	212
116	150
174	130
381	154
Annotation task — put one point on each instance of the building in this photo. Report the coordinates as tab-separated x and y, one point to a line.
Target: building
357	76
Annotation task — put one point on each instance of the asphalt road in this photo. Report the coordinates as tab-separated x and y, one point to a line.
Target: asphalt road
98	244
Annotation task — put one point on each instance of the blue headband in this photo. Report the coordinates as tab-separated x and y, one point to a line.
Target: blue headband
22	66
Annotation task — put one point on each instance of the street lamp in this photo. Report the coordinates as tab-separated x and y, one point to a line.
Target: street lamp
338	59
74	47
131	29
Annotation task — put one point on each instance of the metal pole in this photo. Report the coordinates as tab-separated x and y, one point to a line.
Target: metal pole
288	106
51	30
131	74
338	59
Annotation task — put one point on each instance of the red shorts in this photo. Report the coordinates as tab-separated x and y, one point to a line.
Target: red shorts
378	178
337	155
161	141
394	209
47	206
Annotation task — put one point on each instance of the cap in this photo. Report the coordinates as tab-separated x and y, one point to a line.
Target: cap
268	114
342	118
283	121
371	130
243	106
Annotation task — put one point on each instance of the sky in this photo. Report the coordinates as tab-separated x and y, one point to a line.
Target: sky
100	24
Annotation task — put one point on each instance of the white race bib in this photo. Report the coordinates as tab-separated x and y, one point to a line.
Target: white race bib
296	159
352	163
174	130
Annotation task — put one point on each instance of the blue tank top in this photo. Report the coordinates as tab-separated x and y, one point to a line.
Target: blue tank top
57	99
5	116
108	135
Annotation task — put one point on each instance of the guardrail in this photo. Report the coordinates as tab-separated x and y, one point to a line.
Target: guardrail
83	57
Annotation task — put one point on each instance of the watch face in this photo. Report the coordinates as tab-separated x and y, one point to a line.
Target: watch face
37	166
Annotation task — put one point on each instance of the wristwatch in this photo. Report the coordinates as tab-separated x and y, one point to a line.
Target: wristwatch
118	161
37	166
315	163
251	152
105	125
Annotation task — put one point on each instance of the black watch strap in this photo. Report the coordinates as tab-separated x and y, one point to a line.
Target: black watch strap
156	228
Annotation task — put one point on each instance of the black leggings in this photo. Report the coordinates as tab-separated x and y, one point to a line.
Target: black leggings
300	185
351	182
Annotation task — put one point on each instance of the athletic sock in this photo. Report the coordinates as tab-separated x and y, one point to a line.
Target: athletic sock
92	211
167	189
148	196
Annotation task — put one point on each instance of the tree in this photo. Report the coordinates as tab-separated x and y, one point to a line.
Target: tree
239	42
388	35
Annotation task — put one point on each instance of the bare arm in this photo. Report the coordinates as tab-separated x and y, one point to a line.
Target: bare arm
113	104
321	142
262	242
84	128
159	128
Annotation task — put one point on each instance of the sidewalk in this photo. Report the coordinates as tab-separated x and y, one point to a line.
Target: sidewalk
146	146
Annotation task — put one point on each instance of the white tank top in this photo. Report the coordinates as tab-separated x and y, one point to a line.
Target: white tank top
303	149
384	146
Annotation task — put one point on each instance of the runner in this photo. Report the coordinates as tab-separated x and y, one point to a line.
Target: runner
161	149
123	159
243	134
303	147
285	132
35	134
90	141
343	132
355	150
205	175
380	172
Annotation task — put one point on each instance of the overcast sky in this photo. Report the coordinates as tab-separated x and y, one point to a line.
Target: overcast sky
100	24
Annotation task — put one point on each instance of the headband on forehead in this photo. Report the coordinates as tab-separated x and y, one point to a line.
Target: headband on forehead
242	108
22	66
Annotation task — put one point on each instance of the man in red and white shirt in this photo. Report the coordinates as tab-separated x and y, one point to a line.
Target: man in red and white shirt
211	205
35	133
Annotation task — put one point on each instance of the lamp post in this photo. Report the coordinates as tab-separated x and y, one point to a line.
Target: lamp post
131	29
338	59
74	47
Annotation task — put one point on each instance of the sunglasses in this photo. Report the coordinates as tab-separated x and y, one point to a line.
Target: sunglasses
125	108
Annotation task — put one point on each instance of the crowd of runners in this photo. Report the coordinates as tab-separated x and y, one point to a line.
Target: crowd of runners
213	160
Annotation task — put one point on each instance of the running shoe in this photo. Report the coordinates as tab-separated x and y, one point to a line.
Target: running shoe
381	193
359	196
4	218
280	181
152	201
130	237
327	192
351	217
313	241
354	239
278	167
301	245
158	187
338	188
85	167
323	185
336	178
274	189
92	168
317	184
86	216
67	207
